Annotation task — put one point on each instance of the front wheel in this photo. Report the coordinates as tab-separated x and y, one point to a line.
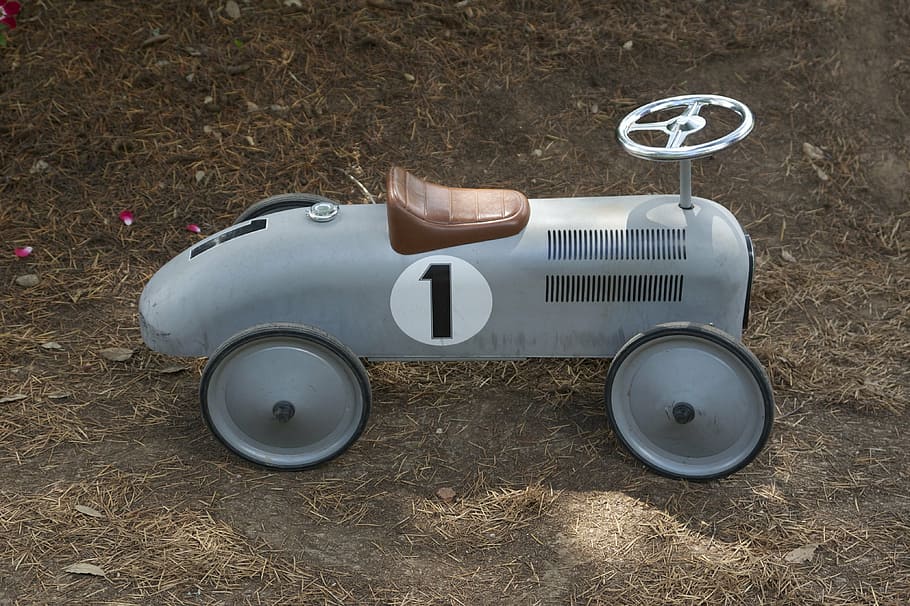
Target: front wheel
285	396
689	401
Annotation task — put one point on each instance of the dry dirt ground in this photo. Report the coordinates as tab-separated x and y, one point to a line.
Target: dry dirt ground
184	112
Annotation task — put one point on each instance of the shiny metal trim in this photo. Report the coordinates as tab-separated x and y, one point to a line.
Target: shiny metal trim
680	127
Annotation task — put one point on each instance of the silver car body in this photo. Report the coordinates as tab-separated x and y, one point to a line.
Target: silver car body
582	278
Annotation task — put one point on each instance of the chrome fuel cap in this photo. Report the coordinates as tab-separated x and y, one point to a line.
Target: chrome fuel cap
322	211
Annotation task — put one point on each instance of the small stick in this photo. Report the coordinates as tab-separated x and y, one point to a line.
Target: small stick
365	191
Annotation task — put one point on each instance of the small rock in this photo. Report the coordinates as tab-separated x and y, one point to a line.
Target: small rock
787	256
51	345
252	107
627	45
801	555
537	153
200	176
409	77
232	9
28	280
446	494
39	167
822	175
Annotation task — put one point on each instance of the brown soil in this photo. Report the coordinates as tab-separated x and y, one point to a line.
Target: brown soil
184	114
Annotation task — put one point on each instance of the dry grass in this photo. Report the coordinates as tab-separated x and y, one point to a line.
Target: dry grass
547	508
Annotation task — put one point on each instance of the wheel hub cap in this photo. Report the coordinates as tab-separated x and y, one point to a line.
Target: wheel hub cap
283	411
683	412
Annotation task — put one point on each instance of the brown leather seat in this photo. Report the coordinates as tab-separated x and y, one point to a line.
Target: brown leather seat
424	216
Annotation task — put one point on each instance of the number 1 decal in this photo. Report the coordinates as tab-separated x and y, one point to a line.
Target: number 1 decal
440	277
441	300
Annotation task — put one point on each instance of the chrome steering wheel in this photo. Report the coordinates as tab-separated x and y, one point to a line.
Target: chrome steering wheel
677	129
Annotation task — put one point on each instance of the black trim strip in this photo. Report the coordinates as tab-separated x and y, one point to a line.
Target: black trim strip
254	225
751	251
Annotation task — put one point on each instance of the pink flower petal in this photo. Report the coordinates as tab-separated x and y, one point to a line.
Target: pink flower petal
193	228
23	251
127	217
10	8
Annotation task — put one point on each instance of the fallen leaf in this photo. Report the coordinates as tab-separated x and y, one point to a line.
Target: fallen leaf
233	70
116	354
170	370
627	45
39	167
13	398
200	175
409	77
157	39
822	175
85	568
787	256
446	494
812	152
801	555
59	395
84	509
51	345
232	10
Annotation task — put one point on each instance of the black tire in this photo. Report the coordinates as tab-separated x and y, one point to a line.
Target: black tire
259	380
648	387
279	203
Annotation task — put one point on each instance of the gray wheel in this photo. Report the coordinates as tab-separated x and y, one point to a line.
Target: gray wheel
279	203
285	396
689	401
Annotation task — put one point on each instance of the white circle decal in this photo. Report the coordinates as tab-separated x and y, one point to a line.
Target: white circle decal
441	300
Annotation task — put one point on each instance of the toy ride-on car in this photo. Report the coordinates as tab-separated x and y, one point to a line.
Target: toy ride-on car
288	300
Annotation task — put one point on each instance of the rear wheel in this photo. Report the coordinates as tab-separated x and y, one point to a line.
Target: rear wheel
689	401
285	396
279	203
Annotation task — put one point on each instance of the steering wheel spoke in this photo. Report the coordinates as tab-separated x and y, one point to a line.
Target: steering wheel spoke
663	126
